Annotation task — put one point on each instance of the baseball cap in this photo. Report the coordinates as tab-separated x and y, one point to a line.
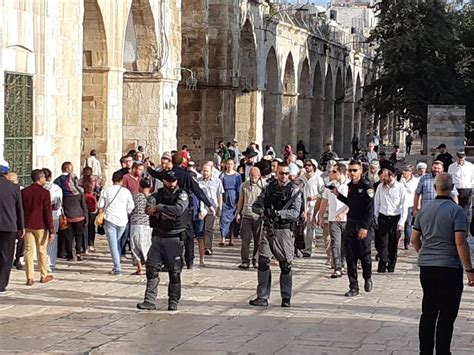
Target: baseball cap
442	145
170	176
166	155
4	166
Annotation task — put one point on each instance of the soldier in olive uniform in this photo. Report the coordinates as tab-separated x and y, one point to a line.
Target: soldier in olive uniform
166	209
280	205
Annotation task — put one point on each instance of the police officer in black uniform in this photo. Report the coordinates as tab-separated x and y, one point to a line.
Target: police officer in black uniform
358	233
188	184
166	208
280	205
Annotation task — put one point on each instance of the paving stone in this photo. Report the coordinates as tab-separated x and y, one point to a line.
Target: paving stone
87	311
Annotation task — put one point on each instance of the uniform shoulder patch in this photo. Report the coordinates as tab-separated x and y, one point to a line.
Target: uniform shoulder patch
370	192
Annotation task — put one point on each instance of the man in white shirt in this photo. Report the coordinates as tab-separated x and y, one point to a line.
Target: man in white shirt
93	163
313	187
337	216
410	183
462	174
390	211
212	187
371	153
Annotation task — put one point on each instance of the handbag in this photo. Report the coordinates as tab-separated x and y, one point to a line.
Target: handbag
63	223
100	218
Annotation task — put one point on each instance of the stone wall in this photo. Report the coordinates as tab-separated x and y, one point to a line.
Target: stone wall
446	124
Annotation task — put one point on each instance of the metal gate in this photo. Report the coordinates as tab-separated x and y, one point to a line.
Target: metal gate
18	149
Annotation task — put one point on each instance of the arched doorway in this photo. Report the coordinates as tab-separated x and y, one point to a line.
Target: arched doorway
288	124
339	114
348	112
246	94
328	107
271	101
304	105
142	117
94	85
317	113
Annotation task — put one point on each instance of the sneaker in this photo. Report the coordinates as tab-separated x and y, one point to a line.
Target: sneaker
18	265
336	274
244	266
79	257
91	249
208	252
259	302
116	273
147	306
172	307
285	302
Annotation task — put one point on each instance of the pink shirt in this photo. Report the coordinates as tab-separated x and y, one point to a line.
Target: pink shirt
131	183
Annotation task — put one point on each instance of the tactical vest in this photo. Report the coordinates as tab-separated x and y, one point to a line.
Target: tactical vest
171	226
279	196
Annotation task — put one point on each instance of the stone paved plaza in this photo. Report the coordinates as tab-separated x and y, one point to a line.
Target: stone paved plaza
88	311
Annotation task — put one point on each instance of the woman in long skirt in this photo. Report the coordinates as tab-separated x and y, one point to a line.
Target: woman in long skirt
231	181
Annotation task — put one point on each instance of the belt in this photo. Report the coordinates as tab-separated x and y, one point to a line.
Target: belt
389	217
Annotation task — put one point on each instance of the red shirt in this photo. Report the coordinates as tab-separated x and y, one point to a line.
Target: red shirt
132	183
37	208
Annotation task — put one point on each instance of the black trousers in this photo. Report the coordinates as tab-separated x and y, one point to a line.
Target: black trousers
465	196
91	229
357	250
74	231
408	148
20	248
387	241
7	249
442	289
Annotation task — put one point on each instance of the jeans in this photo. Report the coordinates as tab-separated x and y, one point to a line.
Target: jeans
114	234
335	230
52	248
442	289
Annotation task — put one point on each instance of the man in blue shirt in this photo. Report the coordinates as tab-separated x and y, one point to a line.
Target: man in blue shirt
439	236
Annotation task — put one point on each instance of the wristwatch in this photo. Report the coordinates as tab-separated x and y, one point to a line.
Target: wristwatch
469	270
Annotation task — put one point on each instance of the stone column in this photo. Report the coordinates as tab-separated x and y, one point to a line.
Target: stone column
303	123
317	127
328	120
338	140
349	126
365	128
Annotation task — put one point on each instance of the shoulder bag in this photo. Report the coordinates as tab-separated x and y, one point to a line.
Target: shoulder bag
100	218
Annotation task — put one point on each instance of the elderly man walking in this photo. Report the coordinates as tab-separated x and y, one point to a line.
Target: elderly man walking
442	226
250	222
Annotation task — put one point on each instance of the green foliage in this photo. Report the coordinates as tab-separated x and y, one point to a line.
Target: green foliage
421	58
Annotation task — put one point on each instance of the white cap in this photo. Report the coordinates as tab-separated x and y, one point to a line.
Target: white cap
4	166
421	165
294	170
299	163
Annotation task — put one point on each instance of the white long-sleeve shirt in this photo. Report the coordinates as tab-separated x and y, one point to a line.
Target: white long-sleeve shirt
390	201
410	188
462	175
313	187
118	209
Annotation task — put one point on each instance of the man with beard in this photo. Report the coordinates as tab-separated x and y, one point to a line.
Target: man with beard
425	191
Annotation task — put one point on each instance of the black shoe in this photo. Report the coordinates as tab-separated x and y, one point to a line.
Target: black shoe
259	302
351	293
172	307
306	255
381	270
368	285
244	266
390	269
336	274
254	264
285	302
189	265
208	252
146	306
18	265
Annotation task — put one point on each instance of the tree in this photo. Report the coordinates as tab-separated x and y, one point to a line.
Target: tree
417	55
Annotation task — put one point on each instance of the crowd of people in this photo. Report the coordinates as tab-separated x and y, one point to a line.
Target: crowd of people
276	203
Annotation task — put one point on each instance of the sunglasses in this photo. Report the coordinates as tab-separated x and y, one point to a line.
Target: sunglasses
353	170
332	171
284	173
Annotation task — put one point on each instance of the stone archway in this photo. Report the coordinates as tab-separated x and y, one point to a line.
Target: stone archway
142	115
271	101
304	104
328	107
338	139
288	124
348	113
246	92
317	113
95	127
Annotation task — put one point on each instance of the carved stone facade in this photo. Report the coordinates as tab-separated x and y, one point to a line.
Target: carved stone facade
105	75
266	80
